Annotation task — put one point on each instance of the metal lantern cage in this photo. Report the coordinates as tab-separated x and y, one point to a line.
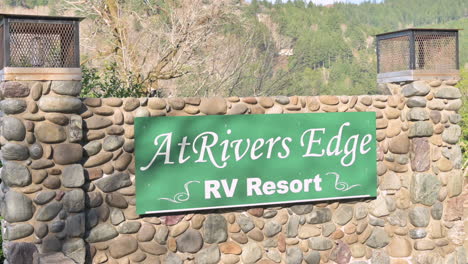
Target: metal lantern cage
415	54
39	41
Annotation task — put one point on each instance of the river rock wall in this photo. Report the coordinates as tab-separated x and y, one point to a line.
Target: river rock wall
68	193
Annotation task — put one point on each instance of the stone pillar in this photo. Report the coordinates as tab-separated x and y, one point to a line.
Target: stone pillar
42	197
434	178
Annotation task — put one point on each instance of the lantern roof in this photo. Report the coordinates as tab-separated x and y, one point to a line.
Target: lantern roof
40	17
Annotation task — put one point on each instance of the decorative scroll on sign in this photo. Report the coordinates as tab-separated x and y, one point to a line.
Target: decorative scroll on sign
204	162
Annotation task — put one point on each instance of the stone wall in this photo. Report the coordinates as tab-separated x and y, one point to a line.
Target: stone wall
68	192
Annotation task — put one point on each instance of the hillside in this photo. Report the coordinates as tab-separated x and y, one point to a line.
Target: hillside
230	47
336	45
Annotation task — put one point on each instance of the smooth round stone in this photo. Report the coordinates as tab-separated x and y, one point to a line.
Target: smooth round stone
15	175
94	173
208	255
95	199
416	88
142	112
416	101
18	231
452	134
328	229
40	229
417	114
72	88
156	103
67	153
161	235
92	148
319	216
97	122
105	111
378	239
294	255
146	232
75	249
12	151
50	133
36	91
153	248
41	164
13	129
129	146
419	216
52	182
213	106
237	109
17	207
176	103
256	234
245	223
437	210
73	176
56	226
95	135
424	188
112	143
61	104
113	182
266	102
131	104
102	232
421	129
115	130
283	100
36	151
74	201
417	233
192	100
447	92
122	246
129	227
123	161
190	241
14	89
332	100
44	197
320	243
314	257
116	200
56	118
116	216
215	229
92	218
454	105
271	228
302	209
270	214
251	253
343	214
38	176
12	106
98	159
424	245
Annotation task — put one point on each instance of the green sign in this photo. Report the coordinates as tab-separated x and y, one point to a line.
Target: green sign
204	162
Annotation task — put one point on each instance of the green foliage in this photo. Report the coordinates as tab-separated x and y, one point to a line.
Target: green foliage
109	83
2	257
28	3
335	46
463	85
